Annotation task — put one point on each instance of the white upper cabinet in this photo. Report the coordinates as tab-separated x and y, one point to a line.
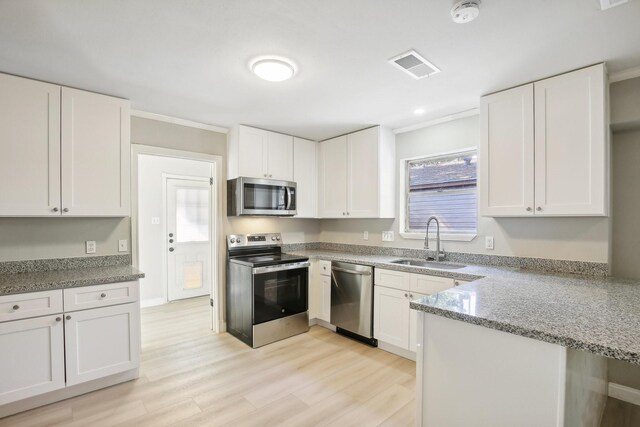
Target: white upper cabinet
572	149
333	178
506	153
305	174
63	152
29	147
357	175
95	154
545	147
258	153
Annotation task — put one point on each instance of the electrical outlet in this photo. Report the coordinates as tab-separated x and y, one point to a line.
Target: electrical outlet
365	235
91	246
155	220
387	236
488	242
122	246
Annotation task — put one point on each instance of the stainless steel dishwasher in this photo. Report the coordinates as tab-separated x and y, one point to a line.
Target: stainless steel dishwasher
352	301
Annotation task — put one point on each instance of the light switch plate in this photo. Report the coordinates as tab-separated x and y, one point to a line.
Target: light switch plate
488	242
387	236
91	246
122	246
365	235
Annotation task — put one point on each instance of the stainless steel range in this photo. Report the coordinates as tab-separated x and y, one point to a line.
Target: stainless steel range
267	291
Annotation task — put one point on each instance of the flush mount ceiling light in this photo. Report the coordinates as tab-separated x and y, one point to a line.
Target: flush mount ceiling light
418	111
465	11
272	68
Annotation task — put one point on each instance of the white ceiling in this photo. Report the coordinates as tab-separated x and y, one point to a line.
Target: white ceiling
189	59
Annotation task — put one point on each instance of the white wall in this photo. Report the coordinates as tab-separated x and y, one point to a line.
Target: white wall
151	237
580	239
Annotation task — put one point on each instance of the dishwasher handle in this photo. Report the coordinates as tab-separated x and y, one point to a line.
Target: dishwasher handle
344	270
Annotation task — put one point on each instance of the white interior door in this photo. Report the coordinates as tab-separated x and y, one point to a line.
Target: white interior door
189	225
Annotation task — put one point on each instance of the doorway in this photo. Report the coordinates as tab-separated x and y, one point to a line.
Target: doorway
176	219
188	226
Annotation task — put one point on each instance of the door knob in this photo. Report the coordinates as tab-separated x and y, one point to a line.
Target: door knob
170	240
58	319
170	234
16	307
103	295
538	208
55	209
68	317
529	209
170	249
65	210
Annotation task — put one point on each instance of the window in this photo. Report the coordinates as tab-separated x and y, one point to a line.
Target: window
443	186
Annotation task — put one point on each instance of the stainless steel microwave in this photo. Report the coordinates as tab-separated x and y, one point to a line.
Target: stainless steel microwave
255	196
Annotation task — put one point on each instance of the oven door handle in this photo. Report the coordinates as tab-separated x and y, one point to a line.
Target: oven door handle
282	267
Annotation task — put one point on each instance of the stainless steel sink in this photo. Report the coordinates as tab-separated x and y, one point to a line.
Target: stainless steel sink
428	264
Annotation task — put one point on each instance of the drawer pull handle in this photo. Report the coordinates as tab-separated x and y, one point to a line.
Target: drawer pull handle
68	317
16	307
103	295
406	295
58	319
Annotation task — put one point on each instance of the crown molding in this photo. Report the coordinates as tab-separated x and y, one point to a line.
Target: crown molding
177	121
629	73
461	115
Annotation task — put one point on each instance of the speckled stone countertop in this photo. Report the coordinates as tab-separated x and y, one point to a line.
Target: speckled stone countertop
596	314
43	280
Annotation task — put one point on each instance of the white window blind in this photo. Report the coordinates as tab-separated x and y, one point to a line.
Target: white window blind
445	187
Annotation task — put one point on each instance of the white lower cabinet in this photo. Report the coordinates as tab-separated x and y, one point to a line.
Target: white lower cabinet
31	357
101	342
394	321
37	353
320	291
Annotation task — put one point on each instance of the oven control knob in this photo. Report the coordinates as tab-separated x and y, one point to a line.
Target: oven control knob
233	240
238	240
278	238
273	238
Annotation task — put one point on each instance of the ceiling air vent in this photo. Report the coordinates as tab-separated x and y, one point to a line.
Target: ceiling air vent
414	64
607	4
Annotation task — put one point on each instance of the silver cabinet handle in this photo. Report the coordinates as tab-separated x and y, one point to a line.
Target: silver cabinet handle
265	175
16	307
68	317
171	249
58	319
55	209
347	213
344	213
538	208
65	210
406	295
103	295
270	176
529	209
456	283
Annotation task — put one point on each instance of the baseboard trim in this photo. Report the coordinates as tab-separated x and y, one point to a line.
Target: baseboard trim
66	392
624	393
390	348
152	302
323	323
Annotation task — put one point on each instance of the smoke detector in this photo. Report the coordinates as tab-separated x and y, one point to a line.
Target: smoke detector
465	11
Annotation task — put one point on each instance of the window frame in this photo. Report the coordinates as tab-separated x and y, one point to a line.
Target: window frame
404	200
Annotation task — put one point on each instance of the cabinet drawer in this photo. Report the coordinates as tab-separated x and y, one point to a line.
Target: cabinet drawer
430	284
100	295
34	304
325	268
392	279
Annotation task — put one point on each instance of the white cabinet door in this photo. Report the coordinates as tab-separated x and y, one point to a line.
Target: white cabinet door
280	156
571	144
252	152
32	357
506	154
314	290
29	147
305	174
391	316
95	154
333	178
101	342
325	304
413	323
363	168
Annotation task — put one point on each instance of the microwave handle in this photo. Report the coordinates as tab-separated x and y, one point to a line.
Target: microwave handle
288	195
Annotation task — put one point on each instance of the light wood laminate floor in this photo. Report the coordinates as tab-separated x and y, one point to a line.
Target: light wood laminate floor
192	377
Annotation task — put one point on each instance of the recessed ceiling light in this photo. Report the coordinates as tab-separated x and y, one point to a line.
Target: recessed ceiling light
418	111
273	69
465	11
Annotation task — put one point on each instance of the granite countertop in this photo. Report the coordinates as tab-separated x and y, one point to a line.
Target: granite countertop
32	281
596	314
